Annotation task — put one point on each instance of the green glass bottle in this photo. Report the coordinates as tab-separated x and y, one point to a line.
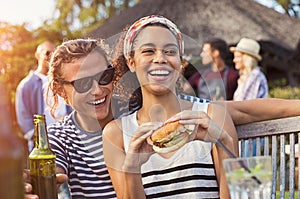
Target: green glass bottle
42	162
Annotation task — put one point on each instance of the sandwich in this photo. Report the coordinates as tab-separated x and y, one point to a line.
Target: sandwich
170	137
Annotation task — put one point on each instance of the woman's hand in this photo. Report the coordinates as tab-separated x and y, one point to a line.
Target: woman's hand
139	149
206	129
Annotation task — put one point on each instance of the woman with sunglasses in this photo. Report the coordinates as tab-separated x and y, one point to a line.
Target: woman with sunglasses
153	49
80	73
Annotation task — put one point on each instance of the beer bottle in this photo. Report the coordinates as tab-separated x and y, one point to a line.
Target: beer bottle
11	152
42	162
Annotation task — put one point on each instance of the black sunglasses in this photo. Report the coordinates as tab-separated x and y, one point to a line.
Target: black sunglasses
85	84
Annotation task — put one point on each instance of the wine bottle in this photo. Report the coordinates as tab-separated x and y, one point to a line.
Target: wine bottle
11	152
42	162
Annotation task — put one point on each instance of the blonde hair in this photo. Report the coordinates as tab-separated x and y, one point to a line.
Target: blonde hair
249	63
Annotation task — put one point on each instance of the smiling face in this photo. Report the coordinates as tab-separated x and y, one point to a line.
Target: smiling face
95	103
238	60
156	59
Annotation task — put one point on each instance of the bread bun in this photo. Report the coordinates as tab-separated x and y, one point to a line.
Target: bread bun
164	131
169	137
171	148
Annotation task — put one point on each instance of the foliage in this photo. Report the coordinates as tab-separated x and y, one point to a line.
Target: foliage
281	82
17	49
291	7
285	92
16	52
16	55
280	89
79	17
71	19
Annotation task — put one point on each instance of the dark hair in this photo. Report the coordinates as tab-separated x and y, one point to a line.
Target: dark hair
127	91
220	45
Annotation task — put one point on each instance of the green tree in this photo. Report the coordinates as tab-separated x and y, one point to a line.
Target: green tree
71	19
17	49
291	7
77	18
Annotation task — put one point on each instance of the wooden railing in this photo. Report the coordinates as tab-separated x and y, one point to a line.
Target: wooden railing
280	138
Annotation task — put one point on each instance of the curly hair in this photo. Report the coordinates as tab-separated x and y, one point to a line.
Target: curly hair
133	93
68	52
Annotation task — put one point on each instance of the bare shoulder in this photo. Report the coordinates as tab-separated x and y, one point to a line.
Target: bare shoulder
113	132
113	144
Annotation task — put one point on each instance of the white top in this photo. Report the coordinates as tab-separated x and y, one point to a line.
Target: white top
189	173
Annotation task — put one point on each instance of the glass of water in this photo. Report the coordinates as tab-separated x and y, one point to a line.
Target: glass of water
249	177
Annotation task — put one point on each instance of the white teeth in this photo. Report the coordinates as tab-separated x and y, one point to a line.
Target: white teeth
159	72
98	101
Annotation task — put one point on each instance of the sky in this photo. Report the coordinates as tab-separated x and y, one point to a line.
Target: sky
33	12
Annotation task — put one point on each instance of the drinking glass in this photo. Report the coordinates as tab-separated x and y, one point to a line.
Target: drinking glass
249	177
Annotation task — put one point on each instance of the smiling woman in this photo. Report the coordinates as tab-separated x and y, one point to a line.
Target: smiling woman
31	12
153	49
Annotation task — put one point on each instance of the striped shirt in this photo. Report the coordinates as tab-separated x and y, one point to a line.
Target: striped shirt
80	155
189	173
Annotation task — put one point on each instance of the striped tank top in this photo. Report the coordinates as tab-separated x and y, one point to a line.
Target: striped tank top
188	173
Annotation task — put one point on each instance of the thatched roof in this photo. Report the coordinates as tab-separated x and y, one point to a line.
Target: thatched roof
228	19
199	19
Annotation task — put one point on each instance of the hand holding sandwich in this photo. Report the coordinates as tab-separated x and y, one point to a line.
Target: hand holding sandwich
206	128
175	133
139	150
170	137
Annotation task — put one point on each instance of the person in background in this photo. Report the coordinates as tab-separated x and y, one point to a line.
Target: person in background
252	83
31	94
218	81
153	49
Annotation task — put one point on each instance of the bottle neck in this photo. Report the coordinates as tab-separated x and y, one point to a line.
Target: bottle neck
42	137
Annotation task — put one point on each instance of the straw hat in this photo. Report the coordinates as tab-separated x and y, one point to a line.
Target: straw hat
248	46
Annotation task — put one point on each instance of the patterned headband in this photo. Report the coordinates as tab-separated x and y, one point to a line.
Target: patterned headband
141	23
